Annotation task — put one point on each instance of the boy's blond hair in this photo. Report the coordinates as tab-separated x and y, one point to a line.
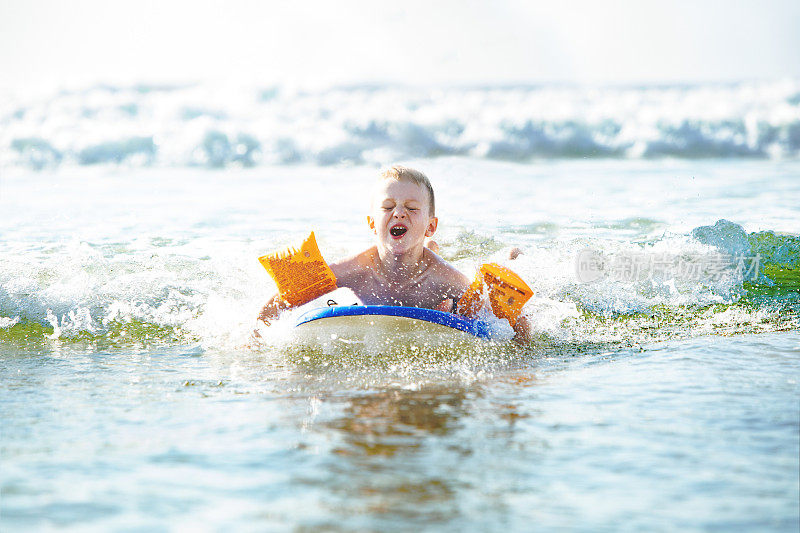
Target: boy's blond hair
398	173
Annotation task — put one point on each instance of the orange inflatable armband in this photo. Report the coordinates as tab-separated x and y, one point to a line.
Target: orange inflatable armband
301	275
471	301
508	292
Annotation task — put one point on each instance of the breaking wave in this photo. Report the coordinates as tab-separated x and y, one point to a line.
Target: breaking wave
108	296
220	127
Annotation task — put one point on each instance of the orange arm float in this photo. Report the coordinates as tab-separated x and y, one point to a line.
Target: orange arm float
301	275
507	293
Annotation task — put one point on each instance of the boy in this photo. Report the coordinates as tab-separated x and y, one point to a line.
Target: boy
400	269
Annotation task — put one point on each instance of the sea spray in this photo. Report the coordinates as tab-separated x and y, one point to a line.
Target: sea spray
207	126
92	292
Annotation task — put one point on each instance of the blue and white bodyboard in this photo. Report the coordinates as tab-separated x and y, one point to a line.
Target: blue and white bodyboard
391	325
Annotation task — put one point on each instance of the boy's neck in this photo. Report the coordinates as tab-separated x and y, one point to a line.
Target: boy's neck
400	267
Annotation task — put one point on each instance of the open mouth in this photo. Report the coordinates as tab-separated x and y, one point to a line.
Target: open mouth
397	231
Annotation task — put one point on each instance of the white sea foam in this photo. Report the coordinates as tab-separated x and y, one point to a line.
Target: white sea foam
91	289
7	322
110	253
246	126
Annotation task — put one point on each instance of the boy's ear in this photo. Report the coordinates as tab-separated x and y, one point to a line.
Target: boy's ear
371	223
433	222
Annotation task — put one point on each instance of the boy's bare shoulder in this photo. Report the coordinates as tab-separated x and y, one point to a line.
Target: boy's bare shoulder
354	265
445	272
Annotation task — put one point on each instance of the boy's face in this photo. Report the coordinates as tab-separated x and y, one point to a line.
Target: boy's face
400	215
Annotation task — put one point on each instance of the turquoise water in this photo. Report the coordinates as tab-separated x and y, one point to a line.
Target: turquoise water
693	435
133	397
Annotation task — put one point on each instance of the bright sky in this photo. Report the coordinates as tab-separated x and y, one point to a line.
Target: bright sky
47	43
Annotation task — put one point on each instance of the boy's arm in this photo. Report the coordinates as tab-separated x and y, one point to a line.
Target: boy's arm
522	330
456	284
342	270
272	309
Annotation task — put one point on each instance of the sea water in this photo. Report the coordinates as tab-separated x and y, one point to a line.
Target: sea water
659	230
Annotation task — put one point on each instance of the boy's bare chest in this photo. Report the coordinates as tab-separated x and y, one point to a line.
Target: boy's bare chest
419	292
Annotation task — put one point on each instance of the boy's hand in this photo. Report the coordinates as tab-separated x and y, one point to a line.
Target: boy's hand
272	309
447	305
523	331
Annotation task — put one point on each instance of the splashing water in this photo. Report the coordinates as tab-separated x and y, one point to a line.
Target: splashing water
216	127
660	391
156	268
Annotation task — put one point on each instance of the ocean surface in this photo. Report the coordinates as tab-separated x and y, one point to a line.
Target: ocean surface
659	228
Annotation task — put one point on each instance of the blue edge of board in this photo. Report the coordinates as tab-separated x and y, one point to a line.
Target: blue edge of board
472	326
